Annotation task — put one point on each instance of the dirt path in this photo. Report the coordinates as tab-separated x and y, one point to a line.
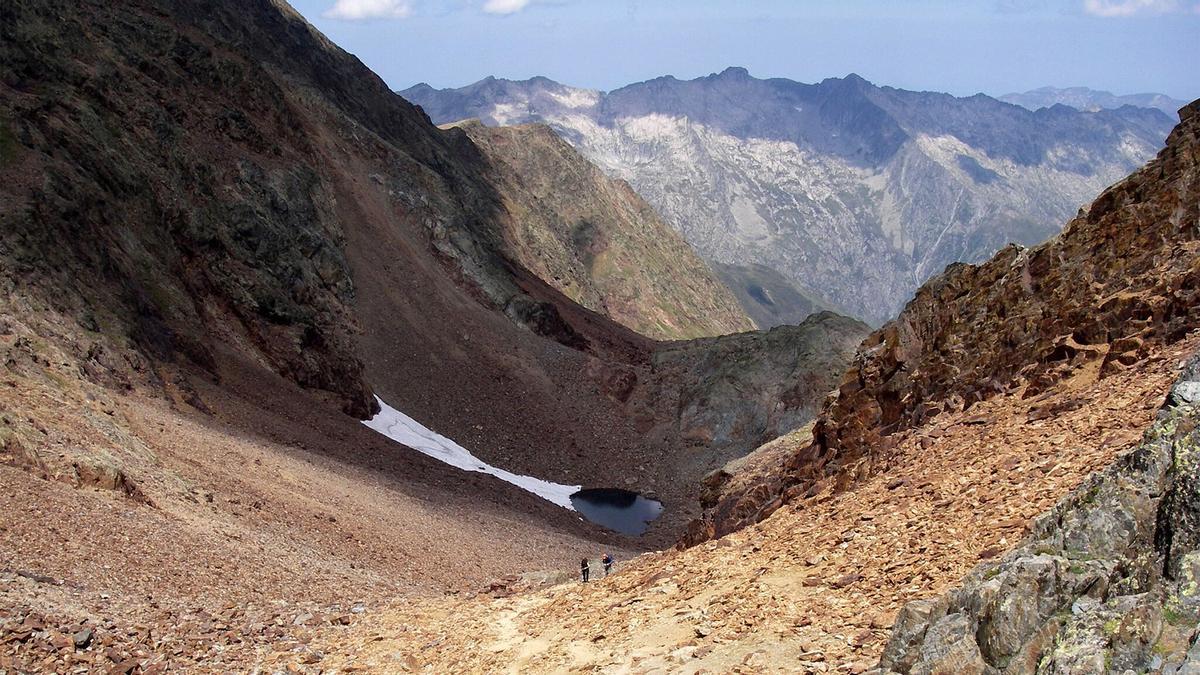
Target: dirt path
816	586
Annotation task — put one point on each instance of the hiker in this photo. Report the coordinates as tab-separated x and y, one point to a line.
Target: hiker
583	569
608	563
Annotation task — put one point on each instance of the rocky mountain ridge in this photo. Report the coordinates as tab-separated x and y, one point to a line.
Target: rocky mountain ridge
855	193
1083	98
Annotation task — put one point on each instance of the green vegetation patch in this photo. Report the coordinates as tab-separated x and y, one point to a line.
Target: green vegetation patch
1175	616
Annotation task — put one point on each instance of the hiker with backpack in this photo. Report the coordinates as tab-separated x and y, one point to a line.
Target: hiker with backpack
583	569
608	563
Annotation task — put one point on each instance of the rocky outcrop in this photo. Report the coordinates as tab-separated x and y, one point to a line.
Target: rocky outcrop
592	238
1125	273
743	390
855	193
1122	277
1107	581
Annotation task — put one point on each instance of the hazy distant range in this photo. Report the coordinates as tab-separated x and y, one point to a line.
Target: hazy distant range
840	194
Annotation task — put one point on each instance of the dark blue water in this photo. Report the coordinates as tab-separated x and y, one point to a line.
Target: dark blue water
620	510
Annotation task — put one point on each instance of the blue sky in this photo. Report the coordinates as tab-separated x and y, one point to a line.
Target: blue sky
963	47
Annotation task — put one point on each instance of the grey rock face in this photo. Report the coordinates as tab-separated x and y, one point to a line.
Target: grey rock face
756	385
856	194
1108	581
949	648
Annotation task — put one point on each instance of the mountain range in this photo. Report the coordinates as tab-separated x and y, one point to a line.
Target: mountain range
1082	98
854	193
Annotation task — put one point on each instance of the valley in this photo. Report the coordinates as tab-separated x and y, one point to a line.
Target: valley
298	376
815	587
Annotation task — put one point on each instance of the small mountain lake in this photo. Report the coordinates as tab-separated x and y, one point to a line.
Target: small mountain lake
619	510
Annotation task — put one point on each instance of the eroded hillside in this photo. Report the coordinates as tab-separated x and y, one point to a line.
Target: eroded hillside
595	240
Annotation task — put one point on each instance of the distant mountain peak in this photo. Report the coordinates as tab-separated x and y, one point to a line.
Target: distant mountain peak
734	72
850	81
1083	98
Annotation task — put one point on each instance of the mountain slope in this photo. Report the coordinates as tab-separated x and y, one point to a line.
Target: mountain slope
856	193
596	241
193	213
1107	579
1118	283
220	238
1082	98
815	587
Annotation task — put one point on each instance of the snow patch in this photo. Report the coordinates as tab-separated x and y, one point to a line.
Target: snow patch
752	226
407	431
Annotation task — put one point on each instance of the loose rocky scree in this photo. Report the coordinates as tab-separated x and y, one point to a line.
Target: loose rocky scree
1107	581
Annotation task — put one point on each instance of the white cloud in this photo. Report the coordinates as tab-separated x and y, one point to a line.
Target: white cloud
358	10
1121	8
504	6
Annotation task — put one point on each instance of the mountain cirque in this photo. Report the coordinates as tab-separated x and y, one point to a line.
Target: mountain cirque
813	588
855	193
220	235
